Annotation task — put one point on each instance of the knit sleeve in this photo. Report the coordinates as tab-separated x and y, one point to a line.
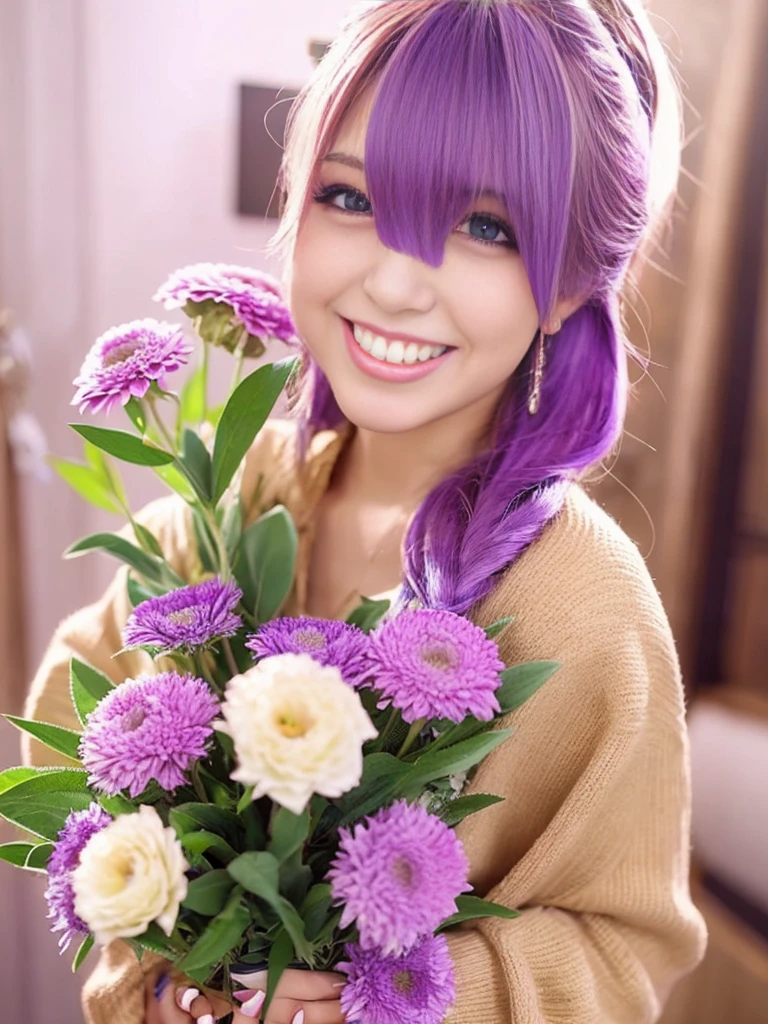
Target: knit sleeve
594	831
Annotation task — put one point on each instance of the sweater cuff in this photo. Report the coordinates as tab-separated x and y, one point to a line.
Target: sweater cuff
115	991
481	987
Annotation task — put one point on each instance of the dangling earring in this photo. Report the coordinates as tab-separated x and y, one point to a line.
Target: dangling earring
534	398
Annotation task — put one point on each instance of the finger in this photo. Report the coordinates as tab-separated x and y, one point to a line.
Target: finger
308	986
170	1011
193	1002
289	1011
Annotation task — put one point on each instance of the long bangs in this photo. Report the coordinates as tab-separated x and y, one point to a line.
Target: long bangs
469	104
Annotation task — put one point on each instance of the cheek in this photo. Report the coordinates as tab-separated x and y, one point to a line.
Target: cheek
498	313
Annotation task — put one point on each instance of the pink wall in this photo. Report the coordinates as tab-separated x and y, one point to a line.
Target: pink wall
117	148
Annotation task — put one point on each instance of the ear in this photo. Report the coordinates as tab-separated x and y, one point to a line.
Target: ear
564	309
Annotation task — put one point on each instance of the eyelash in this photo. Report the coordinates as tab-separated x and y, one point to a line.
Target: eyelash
325	195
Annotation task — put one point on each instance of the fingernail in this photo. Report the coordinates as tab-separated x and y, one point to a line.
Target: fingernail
340	984
206	1019
185	997
299	1018
161	985
252	1008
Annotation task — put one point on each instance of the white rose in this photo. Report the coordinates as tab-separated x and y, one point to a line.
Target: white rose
298	729
130	874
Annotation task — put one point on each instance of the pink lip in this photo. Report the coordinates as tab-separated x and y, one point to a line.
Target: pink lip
399	373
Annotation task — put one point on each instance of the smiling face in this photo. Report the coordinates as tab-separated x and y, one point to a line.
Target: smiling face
404	344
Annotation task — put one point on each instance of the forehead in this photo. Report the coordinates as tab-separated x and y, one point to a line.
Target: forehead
353	130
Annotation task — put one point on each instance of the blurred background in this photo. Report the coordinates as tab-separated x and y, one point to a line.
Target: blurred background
132	142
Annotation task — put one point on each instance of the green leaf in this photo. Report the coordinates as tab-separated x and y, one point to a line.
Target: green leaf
289	833
368	614
197	462
13	776
86	482
198	843
499	626
259	874
136	415
192	817
87	687
460	808
152	568
472	907
41	805
232	527
173	478
314	909
192	404
147	565
156	941
266	562
442	763
147	540
520	682
107	473
136	593
18	854
116	804
382	776
244	415
64	741
220	937
124	446
84	949
208	894
39	856
281	954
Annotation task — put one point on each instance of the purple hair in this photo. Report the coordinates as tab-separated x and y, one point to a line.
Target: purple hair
550	79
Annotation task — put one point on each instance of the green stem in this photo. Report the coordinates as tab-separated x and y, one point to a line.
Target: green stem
205	380
412	736
231	663
225	570
198	784
161	426
385	732
239	359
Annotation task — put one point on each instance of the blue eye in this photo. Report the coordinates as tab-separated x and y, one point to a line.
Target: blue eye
352	201
489	230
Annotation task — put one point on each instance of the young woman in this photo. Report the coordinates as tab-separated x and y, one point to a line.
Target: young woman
467	183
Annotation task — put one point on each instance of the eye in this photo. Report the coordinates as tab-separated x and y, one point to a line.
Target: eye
489	230
341	197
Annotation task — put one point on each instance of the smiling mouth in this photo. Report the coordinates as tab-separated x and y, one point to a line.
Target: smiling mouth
396	352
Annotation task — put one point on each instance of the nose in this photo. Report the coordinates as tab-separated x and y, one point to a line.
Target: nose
399	283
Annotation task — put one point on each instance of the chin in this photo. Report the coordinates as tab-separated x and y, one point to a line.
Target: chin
379	415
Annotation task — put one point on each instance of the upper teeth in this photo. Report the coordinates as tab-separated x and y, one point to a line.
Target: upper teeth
395	351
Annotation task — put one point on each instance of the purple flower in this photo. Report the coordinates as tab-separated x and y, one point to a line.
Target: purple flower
417	986
398	874
434	664
78	829
153	727
124	362
329	642
186	618
228	300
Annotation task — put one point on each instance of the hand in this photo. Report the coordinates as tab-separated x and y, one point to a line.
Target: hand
302	997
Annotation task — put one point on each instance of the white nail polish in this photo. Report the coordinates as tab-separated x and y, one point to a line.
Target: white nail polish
253	1007
299	1018
185	997
207	1018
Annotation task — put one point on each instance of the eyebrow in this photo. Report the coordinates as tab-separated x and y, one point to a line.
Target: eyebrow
357	164
346	159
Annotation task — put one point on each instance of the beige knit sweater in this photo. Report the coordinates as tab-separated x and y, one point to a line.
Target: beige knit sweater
592	840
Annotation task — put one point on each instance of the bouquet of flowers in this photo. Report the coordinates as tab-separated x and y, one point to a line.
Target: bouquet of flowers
276	790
